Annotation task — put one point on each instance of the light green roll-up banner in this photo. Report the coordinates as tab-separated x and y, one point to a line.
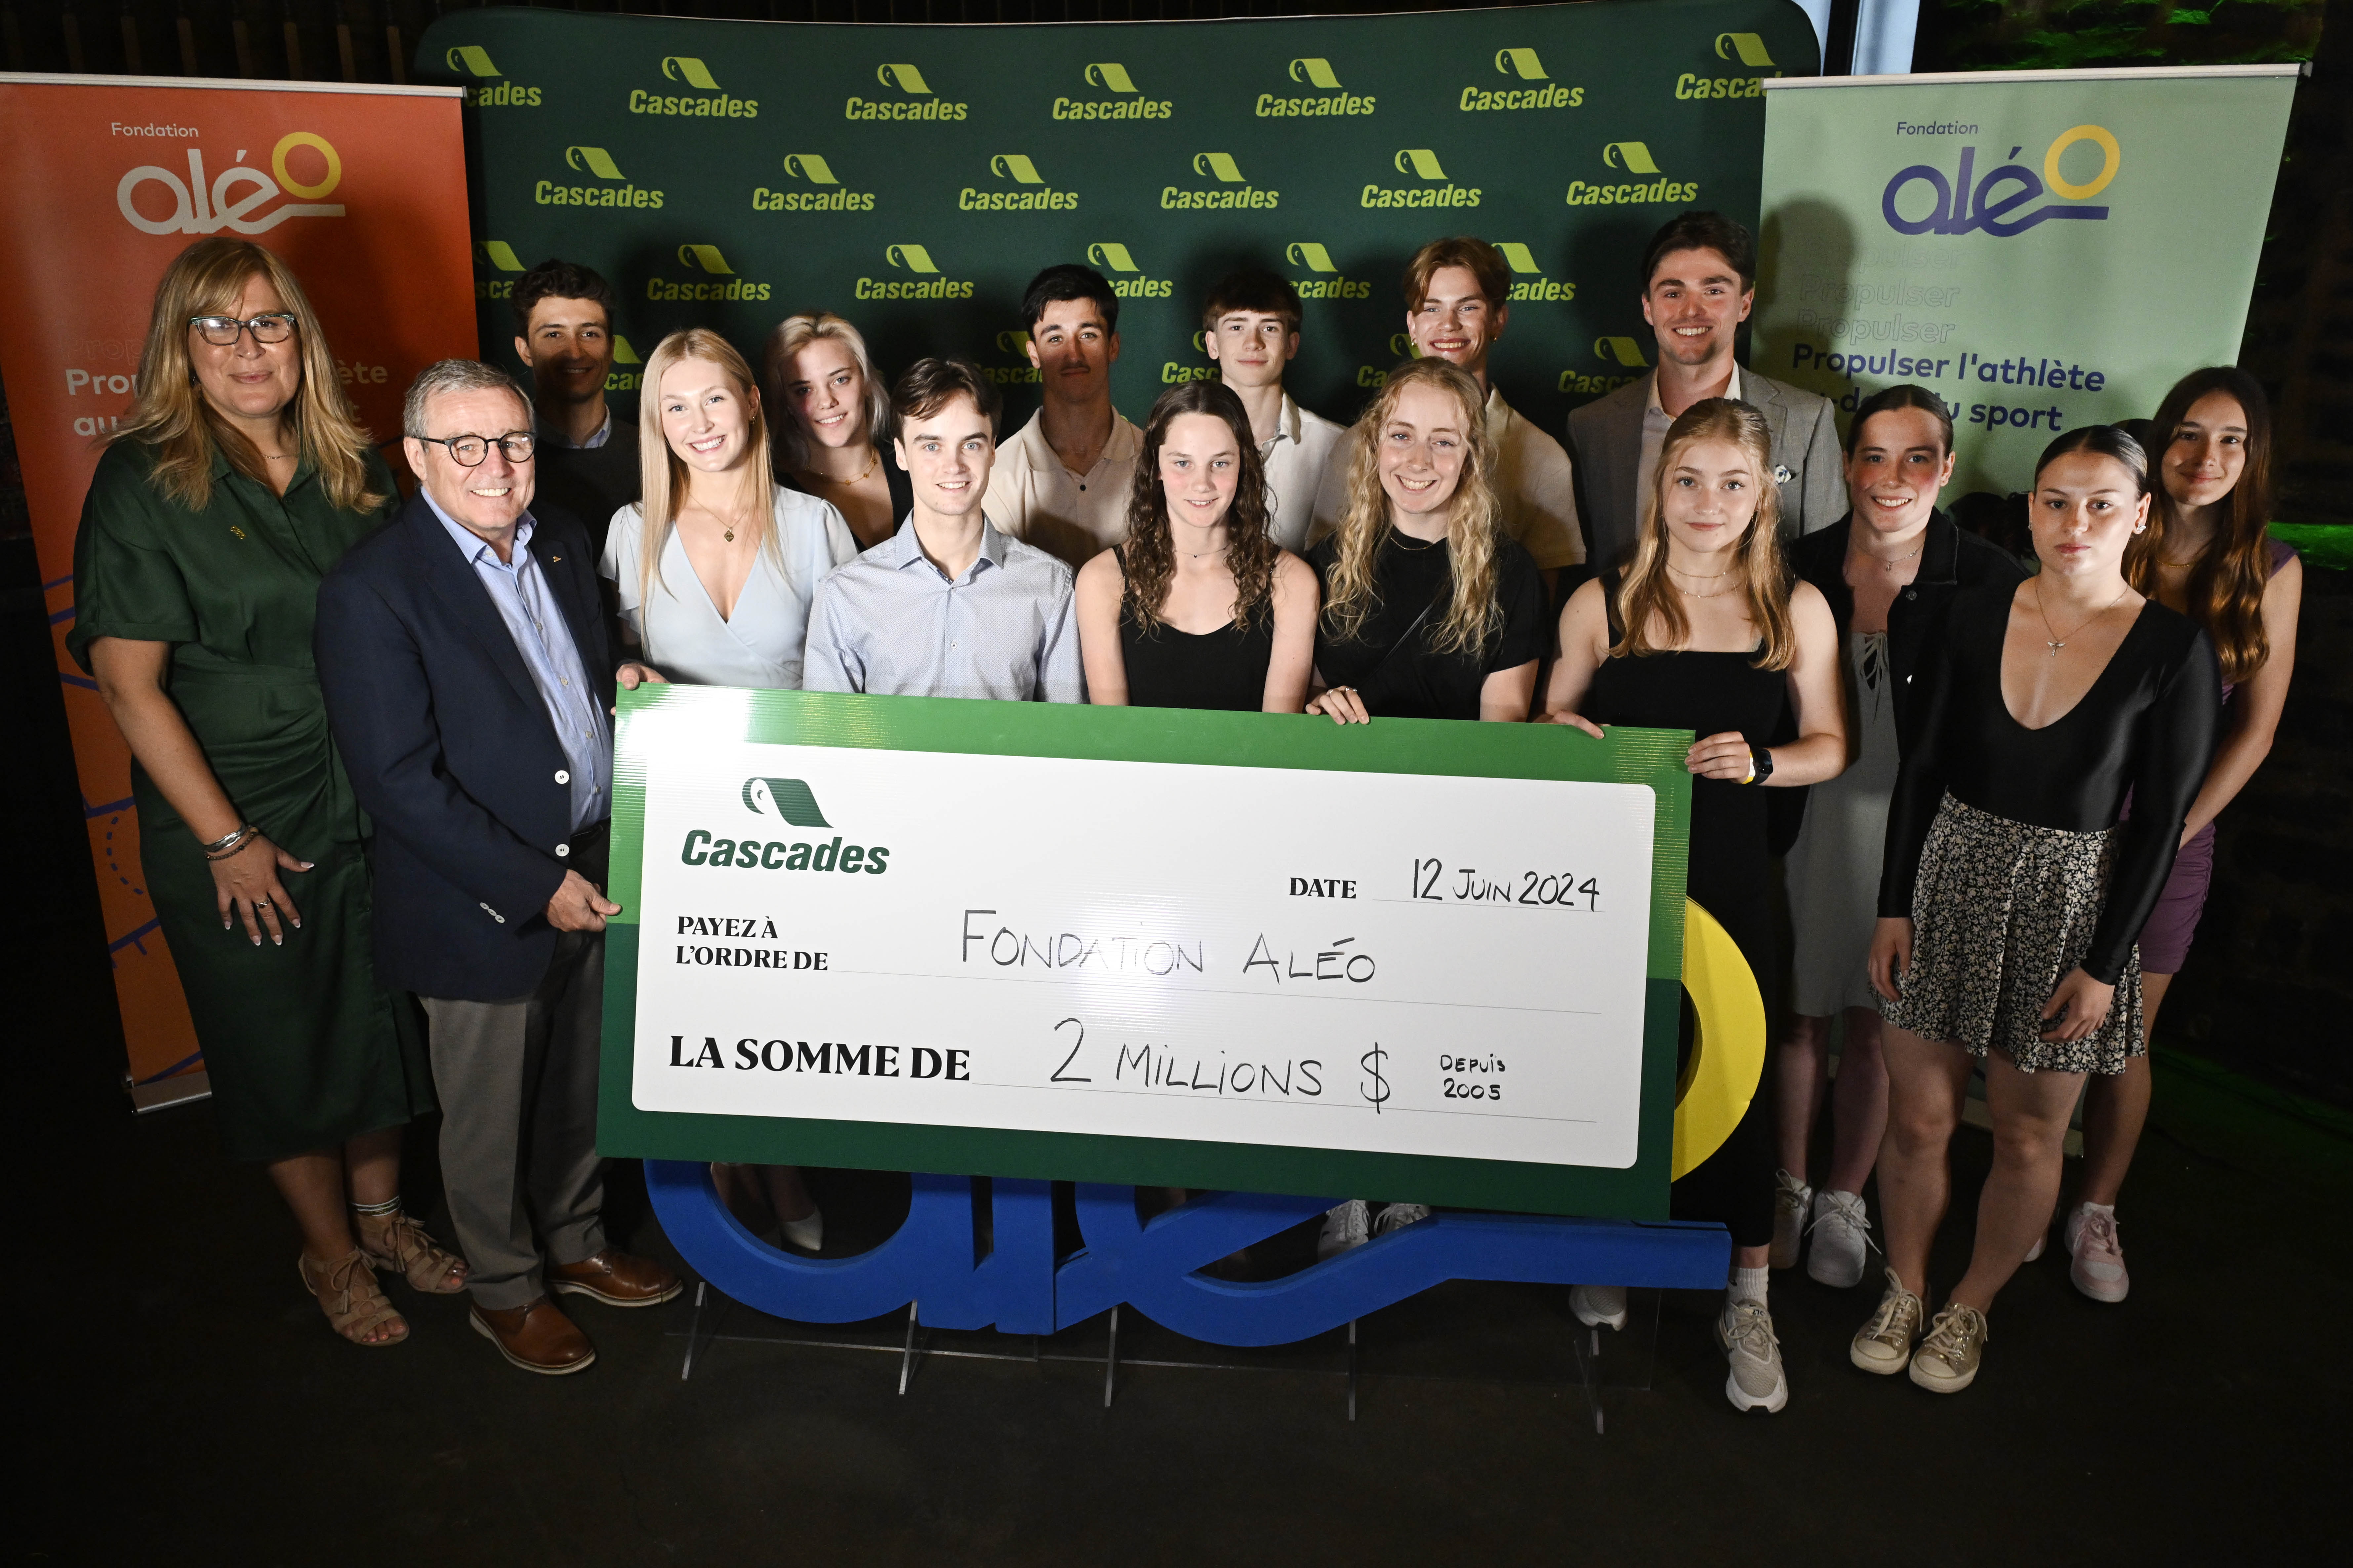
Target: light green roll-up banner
2042	248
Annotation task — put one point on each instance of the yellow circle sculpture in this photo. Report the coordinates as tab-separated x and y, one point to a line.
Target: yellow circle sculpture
1727	1058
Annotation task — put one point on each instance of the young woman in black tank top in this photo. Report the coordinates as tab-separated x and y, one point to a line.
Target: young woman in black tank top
1708	632
1199	608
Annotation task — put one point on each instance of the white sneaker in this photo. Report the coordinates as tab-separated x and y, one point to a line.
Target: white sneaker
2098	1270
1744	1330
1345	1226
1883	1345
1791	1198
1947	1358
1396	1217
807	1233
1598	1305
1842	1237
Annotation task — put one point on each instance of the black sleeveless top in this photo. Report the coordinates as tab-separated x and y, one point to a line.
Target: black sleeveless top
1708	694
1223	669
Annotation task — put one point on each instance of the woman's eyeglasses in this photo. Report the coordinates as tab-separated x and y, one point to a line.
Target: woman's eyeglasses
222	332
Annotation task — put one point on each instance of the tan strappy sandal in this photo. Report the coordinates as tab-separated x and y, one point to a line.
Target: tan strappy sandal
398	1242
348	1294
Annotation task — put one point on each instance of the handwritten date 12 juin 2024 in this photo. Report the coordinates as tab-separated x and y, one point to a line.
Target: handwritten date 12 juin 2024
1435	882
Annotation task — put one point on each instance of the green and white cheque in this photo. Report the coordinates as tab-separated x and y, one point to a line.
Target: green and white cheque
1384	963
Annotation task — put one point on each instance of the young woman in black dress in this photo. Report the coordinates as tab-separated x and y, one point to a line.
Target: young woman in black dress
2012	895
1707	631
1199	608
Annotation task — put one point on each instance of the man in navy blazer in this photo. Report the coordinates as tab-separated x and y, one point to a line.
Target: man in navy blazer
467	671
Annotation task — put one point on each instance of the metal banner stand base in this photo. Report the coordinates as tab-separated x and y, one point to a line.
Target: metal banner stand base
1600	1362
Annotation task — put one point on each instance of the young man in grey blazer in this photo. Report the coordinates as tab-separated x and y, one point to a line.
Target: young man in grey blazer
1699	283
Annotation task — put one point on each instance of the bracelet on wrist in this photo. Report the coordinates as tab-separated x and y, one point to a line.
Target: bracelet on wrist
234	843
226	839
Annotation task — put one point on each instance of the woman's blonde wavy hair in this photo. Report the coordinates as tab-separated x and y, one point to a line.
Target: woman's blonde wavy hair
174	419
1474	520
663	475
795	333
1649	609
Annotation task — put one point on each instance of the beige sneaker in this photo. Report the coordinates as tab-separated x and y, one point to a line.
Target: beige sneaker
1885	1344
1946	1361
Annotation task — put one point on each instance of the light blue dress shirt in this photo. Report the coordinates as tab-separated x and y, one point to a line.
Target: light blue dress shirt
544	638
891	622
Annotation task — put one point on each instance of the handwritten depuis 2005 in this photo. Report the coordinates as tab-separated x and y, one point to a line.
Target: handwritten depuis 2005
1048	952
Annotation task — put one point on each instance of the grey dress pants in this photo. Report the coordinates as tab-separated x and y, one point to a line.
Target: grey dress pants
518	1086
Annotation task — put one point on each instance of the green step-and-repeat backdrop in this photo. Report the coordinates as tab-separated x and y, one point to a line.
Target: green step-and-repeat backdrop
912	179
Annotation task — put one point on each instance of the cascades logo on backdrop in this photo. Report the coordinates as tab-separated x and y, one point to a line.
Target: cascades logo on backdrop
928	283
1323	281
494	91
1032	194
620	192
918	102
827	197
1232	189
1528	281
1422	164
1127	101
1741	48
1332	98
234	198
705	258
1127	278
1622	352
1525	65
1634	157
1959	206
690	72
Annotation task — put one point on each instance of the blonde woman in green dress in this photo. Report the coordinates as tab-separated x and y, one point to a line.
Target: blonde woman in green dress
239	476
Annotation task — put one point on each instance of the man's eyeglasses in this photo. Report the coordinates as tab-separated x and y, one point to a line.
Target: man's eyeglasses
222	332
468	451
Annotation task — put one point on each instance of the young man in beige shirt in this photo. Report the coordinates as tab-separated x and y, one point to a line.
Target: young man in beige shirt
1455	294
1251	327
1062	482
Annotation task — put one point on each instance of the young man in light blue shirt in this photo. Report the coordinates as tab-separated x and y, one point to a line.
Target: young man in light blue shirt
948	606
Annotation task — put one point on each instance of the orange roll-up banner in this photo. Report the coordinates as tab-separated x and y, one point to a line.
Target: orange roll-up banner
361	189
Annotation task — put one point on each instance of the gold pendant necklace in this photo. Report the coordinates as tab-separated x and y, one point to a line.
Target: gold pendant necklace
2056	642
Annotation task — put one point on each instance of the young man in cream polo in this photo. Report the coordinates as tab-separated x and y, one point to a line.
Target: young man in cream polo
1455	294
1062	482
1251	327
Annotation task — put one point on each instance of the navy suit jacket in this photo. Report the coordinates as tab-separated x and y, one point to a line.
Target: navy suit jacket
450	748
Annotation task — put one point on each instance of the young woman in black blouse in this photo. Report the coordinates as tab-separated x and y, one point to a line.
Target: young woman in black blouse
1430	611
1705	631
2011	895
1199	608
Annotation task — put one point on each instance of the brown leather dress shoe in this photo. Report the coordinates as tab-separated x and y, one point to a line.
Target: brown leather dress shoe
538	1338
618	1278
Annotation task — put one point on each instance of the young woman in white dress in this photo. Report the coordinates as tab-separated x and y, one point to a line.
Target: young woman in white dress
713	571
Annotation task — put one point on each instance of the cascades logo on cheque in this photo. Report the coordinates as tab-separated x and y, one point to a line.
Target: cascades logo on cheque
793	802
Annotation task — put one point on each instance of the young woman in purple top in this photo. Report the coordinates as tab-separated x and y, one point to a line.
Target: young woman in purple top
2206	554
